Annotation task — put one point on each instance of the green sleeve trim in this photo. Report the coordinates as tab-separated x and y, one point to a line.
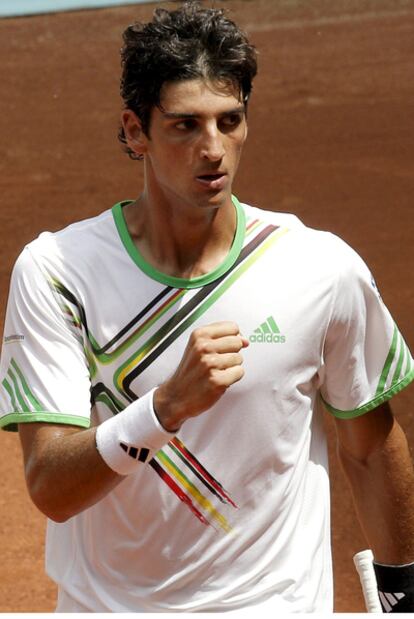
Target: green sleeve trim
369	406
179	282
9	422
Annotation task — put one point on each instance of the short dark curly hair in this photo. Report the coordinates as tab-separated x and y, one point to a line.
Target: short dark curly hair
187	43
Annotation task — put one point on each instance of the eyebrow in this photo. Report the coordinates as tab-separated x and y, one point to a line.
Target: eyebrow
237	110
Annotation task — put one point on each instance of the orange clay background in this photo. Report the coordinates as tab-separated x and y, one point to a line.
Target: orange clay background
331	139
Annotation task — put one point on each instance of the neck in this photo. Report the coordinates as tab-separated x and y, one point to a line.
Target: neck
178	239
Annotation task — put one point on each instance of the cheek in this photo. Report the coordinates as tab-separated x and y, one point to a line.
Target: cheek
239	140
171	163
237	146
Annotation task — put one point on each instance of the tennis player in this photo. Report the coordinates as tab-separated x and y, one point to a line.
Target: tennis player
166	364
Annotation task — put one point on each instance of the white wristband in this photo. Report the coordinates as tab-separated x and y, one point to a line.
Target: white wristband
130	438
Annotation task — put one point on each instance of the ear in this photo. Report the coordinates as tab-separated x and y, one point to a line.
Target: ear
135	137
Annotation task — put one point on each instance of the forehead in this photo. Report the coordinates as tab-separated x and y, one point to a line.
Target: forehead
199	96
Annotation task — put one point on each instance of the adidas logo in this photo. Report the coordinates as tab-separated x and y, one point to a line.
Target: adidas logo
268	332
136	453
388	600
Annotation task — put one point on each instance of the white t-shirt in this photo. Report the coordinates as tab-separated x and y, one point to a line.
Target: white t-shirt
234	510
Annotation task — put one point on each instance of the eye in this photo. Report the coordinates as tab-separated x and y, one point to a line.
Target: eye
187	124
231	121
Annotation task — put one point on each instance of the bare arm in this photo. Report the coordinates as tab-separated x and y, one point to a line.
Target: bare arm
375	457
66	474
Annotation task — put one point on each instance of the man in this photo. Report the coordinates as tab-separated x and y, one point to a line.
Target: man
165	364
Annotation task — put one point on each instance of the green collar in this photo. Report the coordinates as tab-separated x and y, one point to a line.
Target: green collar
180	282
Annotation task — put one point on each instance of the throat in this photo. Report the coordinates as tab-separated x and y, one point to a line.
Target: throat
186	260
181	247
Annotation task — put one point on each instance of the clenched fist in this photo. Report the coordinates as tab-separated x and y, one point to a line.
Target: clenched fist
210	364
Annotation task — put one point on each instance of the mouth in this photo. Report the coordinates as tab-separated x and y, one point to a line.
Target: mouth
211	176
215	180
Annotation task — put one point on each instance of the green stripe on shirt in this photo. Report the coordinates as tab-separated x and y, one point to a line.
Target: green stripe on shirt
388	363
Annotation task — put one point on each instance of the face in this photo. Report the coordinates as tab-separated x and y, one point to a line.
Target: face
194	144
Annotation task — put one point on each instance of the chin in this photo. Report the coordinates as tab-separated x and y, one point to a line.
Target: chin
217	200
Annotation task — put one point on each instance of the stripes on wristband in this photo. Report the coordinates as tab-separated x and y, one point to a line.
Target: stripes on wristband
130	439
395	587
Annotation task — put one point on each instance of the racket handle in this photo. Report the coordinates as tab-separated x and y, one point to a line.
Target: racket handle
363	563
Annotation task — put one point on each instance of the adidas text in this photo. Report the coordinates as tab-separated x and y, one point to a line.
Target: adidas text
271	338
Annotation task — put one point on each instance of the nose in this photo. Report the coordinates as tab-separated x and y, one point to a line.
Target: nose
212	146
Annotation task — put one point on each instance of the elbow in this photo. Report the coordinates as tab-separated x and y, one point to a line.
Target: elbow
48	507
46	496
56	516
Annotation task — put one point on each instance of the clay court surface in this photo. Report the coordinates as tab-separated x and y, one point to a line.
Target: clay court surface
331	139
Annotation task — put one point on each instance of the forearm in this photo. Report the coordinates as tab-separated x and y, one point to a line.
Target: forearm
66	474
382	484
69	469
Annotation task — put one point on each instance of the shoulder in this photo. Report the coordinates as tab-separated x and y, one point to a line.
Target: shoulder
73	244
326	245
73	236
67	255
332	257
319	248
288	220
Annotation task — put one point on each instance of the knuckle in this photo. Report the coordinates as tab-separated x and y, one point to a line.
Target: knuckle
235	343
206	360
215	383
233	327
240	342
239	373
238	359
197	334
202	346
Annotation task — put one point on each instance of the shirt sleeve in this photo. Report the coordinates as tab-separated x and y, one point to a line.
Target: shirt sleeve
44	374
366	360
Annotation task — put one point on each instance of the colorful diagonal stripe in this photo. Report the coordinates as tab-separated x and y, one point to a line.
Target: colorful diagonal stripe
192	490
177	490
190	459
